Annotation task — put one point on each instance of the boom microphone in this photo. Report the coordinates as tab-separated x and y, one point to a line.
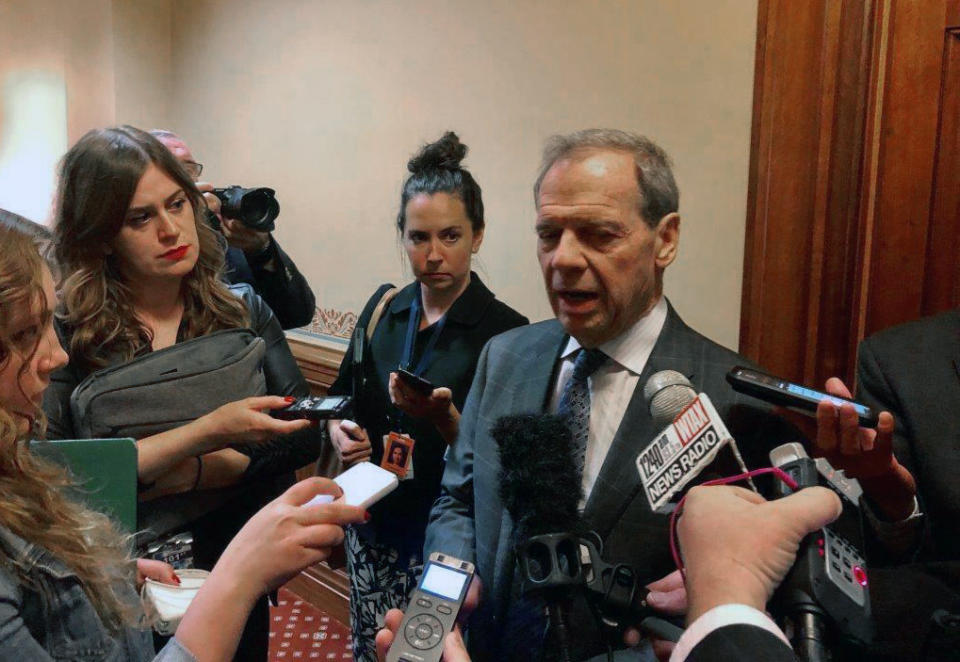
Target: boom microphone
541	490
539	483
557	557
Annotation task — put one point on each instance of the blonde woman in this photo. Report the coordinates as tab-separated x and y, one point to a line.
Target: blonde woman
66	584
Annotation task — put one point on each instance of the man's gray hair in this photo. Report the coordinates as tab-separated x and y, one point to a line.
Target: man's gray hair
163	133
658	190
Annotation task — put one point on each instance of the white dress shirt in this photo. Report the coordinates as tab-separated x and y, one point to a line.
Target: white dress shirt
612	385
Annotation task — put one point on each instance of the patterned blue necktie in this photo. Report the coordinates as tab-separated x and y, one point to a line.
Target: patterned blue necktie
575	400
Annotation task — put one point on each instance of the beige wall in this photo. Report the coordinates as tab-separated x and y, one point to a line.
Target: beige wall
325	101
142	36
101	62
62	52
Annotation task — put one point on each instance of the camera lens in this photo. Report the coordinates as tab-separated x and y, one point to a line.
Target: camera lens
258	209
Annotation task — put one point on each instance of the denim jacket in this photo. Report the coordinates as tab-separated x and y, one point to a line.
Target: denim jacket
53	619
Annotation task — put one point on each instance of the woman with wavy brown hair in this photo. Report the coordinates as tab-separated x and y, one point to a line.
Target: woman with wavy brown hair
141	273
66	581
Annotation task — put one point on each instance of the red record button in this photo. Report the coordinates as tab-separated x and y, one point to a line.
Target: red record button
860	575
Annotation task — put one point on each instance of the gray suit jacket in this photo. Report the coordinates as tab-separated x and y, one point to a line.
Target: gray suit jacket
515	374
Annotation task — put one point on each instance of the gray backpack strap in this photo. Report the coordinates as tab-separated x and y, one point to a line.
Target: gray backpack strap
378	311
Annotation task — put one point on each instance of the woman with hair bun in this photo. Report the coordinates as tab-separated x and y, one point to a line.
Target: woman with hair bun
435	328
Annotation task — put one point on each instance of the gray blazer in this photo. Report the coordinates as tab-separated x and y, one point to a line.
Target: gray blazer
516	374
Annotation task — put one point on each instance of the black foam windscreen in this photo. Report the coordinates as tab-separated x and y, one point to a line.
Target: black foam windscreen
539	481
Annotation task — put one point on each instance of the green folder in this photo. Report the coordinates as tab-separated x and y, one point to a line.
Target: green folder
105	471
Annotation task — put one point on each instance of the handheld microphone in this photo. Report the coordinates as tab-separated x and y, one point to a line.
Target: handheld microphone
694	444
826	591
667	393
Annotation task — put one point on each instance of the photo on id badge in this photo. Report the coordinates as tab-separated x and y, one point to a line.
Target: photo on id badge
398	455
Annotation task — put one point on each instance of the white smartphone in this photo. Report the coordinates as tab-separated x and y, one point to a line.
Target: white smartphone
363	485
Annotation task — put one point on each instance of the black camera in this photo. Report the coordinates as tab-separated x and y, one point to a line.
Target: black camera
257	208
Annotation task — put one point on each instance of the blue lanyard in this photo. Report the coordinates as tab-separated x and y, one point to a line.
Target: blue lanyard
413	325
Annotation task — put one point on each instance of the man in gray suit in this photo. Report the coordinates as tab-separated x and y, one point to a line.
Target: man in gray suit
607	228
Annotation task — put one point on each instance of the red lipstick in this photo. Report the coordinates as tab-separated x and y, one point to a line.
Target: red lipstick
176	254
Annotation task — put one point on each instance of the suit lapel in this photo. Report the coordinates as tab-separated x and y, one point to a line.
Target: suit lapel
618	483
538	367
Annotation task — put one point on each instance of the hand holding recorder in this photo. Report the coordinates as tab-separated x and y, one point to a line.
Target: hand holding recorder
454	649
397	623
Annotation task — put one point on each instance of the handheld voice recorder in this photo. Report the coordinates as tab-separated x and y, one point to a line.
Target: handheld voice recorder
433	610
315	408
794	396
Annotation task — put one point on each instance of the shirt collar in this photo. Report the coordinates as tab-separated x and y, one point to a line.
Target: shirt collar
468	309
632	348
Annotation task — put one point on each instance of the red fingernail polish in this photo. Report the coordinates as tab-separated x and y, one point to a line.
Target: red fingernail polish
176	579
366	516
289	398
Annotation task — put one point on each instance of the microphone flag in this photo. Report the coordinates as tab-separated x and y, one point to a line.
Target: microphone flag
682	451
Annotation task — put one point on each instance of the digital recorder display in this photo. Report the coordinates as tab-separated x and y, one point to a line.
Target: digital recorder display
817	396
443	581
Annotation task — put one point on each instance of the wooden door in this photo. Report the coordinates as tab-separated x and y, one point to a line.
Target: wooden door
854	201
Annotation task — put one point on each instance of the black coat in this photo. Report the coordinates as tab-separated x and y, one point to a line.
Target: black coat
913	371
740	642
284	288
474	318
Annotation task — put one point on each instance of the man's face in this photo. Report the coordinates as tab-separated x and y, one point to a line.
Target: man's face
602	264
182	153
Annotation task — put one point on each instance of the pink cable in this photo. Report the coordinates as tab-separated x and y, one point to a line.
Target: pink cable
674	540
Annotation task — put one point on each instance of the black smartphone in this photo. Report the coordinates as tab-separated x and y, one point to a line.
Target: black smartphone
318	408
418	384
781	392
359	380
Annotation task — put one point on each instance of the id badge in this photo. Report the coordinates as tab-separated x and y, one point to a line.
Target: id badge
398	455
